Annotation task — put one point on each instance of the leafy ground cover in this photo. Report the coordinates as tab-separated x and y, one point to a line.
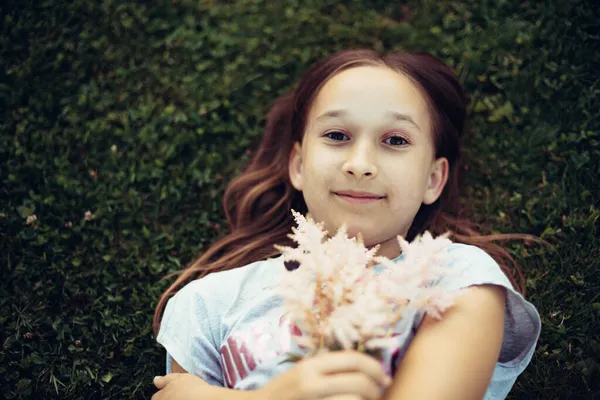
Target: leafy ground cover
122	121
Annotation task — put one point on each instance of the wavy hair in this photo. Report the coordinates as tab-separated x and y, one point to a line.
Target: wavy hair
257	203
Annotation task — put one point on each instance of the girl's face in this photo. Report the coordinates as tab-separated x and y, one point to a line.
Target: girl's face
367	157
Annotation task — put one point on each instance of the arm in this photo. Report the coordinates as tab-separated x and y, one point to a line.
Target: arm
210	392
454	358
336	375
180	384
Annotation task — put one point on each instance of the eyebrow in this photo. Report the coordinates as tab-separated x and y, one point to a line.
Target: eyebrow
391	114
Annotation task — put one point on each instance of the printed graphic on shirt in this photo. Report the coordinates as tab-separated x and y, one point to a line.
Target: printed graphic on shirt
261	341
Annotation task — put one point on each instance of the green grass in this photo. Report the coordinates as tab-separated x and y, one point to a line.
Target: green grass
140	114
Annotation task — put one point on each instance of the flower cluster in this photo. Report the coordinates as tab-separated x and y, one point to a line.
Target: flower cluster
339	301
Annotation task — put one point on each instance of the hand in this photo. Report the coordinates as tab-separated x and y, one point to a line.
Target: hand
347	375
178	386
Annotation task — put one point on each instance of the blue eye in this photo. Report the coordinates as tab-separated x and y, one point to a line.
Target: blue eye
396	141
337	136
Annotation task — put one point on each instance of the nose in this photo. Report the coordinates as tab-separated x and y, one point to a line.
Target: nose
361	162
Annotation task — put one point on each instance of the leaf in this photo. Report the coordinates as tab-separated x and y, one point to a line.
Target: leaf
25	211
23	384
107	377
506	111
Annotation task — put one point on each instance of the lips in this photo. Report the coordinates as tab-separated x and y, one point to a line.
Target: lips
358	198
359	195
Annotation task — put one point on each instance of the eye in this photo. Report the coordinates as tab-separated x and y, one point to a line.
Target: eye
336	136
396	141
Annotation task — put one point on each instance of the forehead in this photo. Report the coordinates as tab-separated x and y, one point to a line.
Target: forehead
372	90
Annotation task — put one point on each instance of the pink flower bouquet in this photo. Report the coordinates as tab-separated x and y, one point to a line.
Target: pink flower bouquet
339	301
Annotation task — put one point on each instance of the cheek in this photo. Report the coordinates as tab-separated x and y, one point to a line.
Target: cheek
406	189
320	168
318	157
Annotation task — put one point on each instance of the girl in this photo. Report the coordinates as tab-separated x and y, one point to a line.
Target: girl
372	141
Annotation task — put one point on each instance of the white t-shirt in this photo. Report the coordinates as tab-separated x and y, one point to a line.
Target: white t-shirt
229	327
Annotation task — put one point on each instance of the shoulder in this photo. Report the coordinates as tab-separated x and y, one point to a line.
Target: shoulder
469	265
462	254
492	329
206	300
458	352
223	286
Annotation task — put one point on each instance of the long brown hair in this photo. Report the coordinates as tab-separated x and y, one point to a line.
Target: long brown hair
257	203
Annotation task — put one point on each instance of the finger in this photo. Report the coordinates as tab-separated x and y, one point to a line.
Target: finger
352	361
350	384
343	397
161	381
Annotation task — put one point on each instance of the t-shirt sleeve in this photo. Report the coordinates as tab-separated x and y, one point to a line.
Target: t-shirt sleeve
185	332
470	265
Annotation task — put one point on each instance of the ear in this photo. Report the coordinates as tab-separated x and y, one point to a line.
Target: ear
295	166
437	180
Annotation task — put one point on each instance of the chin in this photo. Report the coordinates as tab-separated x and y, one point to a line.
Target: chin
368	239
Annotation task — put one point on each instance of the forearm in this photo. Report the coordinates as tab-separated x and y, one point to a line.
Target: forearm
218	393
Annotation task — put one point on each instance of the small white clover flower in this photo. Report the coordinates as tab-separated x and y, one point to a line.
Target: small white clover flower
88	216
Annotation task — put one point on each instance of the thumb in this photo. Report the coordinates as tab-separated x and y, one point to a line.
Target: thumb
161	381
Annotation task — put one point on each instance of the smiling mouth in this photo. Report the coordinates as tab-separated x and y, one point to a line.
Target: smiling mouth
358	197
